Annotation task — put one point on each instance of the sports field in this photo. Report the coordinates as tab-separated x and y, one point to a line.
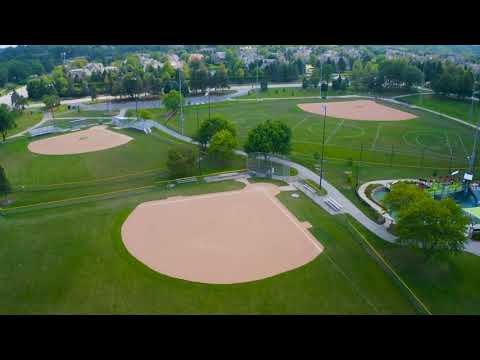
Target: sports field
426	141
56	265
460	109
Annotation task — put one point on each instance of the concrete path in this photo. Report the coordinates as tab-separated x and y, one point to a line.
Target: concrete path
347	206
46	117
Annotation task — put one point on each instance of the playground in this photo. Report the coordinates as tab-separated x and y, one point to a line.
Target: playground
225	242
96	138
367	110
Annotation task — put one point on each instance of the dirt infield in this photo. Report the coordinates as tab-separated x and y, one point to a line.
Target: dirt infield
220	238
358	110
93	139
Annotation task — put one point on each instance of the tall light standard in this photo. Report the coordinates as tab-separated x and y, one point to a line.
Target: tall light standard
321	77
181	100
256	83
324	108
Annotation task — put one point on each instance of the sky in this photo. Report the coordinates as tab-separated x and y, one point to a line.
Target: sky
4	46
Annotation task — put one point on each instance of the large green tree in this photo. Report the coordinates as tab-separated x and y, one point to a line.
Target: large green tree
7	120
172	101
222	145
269	137
436	227
5	187
209	127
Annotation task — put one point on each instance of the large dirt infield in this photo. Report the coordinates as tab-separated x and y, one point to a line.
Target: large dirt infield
220	238
367	110
95	138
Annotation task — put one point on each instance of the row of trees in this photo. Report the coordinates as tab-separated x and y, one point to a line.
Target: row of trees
372	76
7	120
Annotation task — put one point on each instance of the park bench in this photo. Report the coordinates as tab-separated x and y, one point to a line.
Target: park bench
309	188
333	204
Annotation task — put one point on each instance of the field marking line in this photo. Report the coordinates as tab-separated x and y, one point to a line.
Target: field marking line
448	142
463	145
352	284
108	193
300	122
289	215
332	134
376	136
390	268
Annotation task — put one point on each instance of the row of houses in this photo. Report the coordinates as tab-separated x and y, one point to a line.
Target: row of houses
89	69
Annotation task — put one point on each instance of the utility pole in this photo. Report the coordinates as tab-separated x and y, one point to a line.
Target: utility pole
475	144
256	83
323	145
182	120
321	77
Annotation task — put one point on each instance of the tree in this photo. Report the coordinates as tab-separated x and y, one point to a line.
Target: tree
269	137
172	101
7	120
341	65
263	85
222	145
5	187
181	160
436	227
305	83
93	91
51	102
209	127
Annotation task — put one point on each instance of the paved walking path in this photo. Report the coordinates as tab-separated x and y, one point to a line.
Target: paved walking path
46	116
347	206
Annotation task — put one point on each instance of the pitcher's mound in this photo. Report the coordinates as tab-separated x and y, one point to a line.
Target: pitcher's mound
358	110
221	238
93	139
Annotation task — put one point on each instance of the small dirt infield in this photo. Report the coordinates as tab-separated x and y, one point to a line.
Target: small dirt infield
366	110
222	238
93	139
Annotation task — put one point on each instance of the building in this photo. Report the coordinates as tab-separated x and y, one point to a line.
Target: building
174	61
78	74
110	69
309	69
195	57
303	53
219	57
94	67
248	54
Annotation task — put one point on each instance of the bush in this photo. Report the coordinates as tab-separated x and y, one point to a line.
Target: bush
182	161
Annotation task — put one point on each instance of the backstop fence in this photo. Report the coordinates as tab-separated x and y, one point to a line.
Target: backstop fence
263	165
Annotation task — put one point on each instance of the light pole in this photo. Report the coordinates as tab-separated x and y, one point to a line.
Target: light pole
256	83
321	77
324	108
181	100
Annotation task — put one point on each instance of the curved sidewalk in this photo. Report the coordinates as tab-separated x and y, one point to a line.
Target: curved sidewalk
348	206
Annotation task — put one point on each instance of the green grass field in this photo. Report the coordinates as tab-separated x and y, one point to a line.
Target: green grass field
431	137
460	109
25	120
446	287
37	178
287	92
86	269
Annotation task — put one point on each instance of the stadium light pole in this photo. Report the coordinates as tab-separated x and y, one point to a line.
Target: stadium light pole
256	83
181	100
321	77
324	107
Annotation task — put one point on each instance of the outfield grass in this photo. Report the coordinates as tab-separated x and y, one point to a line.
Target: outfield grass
431	137
56	265
446	287
460	109
144	153
287	92
25	120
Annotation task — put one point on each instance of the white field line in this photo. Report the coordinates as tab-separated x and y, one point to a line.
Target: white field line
339	269
448	143
300	122
463	145
376	136
332	134
294	221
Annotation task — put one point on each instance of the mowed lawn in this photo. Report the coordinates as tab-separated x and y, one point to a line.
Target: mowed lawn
143	153
431	137
446	287
53	264
286	92
460	109
25	120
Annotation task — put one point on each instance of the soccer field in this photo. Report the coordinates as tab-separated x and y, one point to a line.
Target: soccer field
426	141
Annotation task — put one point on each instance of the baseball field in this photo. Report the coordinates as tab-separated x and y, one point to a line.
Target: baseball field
84	256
